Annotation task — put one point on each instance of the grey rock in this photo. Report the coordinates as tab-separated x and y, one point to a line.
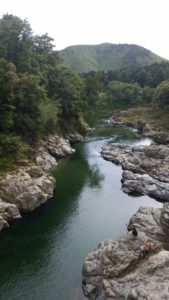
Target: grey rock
58	147
115	270
8	212
144	185
45	160
29	187
26	192
75	137
147	168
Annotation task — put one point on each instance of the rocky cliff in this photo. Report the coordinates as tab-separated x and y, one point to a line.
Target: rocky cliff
118	269
30	186
115	269
146	168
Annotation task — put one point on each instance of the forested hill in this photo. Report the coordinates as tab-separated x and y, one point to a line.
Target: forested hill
86	58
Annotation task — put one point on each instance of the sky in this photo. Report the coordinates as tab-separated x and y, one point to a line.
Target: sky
79	22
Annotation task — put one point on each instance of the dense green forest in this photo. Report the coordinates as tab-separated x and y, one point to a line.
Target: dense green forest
86	58
40	95
128	87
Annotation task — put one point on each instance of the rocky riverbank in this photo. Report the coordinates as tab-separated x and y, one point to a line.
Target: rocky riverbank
146	168
28	187
115	270
138	118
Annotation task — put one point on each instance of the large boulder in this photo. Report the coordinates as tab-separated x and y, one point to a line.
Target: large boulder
144	185
8	212
146	168
58	147
45	160
115	269
26	188
75	137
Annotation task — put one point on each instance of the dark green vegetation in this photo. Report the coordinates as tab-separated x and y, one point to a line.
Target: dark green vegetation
38	94
129	87
86	58
41	257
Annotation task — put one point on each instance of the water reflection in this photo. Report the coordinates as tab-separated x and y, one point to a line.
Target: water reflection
95	177
42	259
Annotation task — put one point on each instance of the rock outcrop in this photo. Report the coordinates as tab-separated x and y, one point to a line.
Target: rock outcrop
27	189
8	212
58	147
75	137
31	185
146	168
135	118
115	269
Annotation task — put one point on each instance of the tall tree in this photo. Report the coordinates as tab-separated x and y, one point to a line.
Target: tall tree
15	41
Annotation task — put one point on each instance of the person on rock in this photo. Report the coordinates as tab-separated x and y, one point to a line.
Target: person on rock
145	248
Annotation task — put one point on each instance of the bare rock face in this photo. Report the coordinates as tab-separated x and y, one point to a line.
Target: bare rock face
31	186
58	147
27	190
115	270
45	160
146	168
144	185
75	137
164	219
8	212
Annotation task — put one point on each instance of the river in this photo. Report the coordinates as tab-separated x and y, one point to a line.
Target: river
41	256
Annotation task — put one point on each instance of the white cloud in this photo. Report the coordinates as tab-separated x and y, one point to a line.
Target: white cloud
71	22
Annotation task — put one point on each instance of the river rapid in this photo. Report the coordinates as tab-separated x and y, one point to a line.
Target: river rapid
41	256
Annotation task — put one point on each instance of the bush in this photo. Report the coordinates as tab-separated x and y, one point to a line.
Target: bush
9	145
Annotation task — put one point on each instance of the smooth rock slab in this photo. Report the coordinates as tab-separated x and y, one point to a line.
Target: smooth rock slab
114	270
147	168
58	147
45	160
26	192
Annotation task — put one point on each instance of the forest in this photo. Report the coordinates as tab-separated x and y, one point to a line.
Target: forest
40	95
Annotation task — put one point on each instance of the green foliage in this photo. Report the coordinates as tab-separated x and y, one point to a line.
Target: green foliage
40	95
161	96
9	145
67	89
124	94
37	93
28	94
86	58
7	109
15	41
48	116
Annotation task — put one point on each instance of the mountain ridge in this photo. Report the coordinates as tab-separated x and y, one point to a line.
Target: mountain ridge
107	56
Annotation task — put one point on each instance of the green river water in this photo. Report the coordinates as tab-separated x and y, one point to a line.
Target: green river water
41	256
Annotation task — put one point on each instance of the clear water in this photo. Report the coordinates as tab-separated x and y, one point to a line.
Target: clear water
41	257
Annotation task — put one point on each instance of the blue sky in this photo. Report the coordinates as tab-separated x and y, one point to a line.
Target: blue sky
72	22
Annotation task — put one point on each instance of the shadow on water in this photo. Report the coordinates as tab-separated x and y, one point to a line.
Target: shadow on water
27	246
41	256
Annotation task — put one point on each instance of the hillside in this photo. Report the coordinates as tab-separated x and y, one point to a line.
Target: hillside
86	58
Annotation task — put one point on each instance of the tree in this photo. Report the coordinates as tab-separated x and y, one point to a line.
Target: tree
16	41
124	94
28	95
7	78
66	87
161	95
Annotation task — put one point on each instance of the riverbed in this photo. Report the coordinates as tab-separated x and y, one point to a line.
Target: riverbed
41	256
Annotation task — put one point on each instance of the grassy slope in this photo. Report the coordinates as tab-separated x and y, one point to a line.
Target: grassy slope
85	58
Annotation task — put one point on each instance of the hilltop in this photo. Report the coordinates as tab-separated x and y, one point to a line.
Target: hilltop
86	58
